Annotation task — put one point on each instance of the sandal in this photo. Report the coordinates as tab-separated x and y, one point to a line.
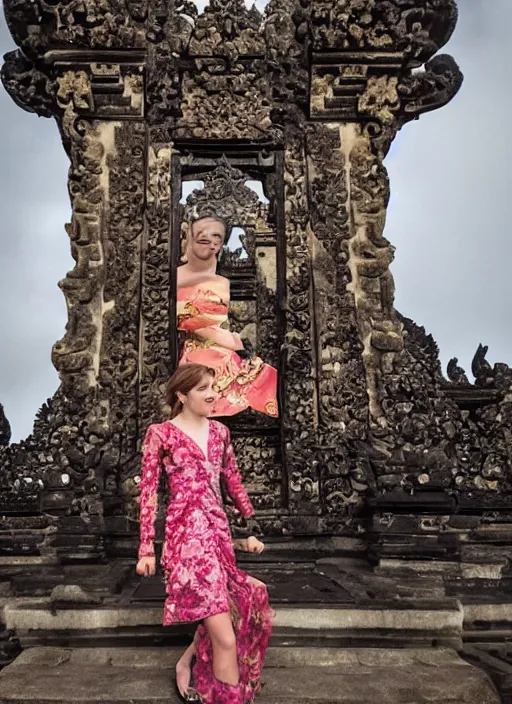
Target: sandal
191	695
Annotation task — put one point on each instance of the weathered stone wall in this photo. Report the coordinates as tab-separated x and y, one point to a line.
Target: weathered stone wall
148	95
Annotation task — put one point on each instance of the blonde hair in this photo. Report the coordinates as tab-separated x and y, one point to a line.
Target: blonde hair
215	218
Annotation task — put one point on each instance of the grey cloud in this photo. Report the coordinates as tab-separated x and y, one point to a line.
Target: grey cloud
449	210
34	255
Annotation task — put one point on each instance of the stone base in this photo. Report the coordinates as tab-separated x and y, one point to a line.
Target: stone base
37	622
332	601
336	604
293	676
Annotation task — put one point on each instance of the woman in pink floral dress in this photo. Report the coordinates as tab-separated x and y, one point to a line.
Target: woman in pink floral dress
203	583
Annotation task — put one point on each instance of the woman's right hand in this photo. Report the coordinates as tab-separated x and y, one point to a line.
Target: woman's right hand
146	566
254	545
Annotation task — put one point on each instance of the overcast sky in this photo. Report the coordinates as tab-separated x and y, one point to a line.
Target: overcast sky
448	218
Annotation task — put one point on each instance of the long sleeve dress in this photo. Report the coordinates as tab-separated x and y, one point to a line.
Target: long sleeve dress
198	558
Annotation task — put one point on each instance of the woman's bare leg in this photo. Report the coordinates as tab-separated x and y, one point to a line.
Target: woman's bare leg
184	669
223	640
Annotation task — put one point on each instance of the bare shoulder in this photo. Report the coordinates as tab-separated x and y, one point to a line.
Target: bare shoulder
222	281
223	287
182	275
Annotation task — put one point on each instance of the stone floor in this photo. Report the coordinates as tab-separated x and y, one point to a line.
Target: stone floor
48	675
345	631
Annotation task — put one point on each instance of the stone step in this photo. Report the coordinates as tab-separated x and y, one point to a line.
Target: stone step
39	621
47	675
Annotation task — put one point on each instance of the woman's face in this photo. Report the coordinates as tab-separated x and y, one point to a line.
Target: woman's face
201	398
206	239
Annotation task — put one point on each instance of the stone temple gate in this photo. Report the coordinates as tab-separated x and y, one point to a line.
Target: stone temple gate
383	489
372	440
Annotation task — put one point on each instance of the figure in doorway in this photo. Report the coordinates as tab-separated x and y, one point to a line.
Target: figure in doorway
203	300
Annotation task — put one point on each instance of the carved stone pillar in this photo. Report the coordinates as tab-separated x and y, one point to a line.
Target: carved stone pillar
307	102
342	387
90	427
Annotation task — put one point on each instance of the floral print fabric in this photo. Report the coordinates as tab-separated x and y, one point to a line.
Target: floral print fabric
198	558
241	383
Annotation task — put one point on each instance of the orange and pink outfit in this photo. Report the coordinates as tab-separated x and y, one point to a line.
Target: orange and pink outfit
241	383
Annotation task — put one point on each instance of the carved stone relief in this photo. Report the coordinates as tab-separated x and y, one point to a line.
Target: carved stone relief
306	99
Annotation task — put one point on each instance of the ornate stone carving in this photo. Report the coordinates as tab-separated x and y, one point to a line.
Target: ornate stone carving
363	56
28	86
224	194
76	355
414	27
482	371
168	35
119	363
227	28
225	99
342	395
307	100
5	428
300	402
225	87
156	281
456	374
41	26
286	31
431	89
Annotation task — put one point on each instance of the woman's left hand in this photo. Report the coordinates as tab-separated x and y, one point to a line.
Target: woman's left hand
146	566
254	545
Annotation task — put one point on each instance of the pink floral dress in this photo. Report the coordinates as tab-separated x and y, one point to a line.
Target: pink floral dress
198	558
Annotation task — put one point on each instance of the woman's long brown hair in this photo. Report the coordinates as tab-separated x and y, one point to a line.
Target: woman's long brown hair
184	379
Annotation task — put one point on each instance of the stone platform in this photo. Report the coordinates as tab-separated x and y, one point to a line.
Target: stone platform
337	601
293	676
345	631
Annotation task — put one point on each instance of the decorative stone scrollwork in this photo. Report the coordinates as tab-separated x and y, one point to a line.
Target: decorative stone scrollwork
41	25
224	85
226	195
300	403
227	28
307	99
5	428
414	27
286	30
431	89
225	99
364	54
456	374
28	86
155	287
168	34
